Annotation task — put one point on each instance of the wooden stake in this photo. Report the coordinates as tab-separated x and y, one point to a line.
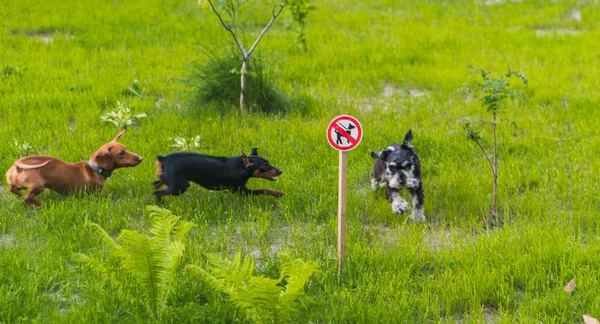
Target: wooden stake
342	211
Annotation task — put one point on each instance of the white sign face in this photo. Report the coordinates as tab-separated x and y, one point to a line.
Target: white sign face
344	133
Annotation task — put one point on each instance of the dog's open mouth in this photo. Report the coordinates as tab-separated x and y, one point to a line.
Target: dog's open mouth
271	178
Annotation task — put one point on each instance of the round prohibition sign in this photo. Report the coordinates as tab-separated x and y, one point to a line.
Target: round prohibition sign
344	133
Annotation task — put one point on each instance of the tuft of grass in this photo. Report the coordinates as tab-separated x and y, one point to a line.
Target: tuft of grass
217	80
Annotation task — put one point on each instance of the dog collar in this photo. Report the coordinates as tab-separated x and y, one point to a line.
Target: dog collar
99	170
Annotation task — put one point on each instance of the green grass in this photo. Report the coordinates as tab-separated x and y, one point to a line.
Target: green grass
450	269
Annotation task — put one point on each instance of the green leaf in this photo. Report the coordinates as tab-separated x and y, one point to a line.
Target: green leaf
151	261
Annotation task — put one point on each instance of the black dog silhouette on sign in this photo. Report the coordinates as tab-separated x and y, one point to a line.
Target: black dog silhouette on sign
338	135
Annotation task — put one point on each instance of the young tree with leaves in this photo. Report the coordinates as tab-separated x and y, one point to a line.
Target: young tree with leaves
492	93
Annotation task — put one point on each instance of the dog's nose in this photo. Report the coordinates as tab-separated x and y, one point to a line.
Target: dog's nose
279	171
140	158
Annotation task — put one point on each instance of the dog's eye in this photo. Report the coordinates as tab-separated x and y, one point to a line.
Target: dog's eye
122	153
406	165
264	167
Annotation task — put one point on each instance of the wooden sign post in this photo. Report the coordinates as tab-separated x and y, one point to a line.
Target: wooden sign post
342	211
343	133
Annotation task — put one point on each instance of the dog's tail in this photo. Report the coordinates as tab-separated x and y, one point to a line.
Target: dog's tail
23	166
159	165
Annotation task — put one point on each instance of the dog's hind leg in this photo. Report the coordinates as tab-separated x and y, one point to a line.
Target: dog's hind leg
175	189
28	180
252	192
418	196
158	183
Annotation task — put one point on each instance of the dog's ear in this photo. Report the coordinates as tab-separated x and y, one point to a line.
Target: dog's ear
103	159
407	143
383	154
408	137
119	135
254	151
246	160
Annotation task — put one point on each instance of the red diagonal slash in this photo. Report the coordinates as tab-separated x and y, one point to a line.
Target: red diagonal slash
344	133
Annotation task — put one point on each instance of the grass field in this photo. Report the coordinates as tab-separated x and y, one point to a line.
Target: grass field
63	64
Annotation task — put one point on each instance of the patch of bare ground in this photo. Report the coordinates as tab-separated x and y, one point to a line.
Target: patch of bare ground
548	32
487	312
6	240
279	238
45	36
497	2
434	239
390	98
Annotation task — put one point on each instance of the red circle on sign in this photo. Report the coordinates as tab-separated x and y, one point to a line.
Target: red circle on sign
344	133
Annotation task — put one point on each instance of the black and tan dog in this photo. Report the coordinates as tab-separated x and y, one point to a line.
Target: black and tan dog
176	170
398	167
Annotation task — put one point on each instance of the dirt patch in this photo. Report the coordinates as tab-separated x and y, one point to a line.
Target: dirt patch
6	240
436	240
576	14
416	93
45	36
544	32
488	315
388	91
497	2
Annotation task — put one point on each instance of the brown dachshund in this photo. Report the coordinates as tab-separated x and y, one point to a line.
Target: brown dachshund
37	172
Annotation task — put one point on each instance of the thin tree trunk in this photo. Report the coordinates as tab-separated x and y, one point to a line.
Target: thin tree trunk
495	171
245	54
243	82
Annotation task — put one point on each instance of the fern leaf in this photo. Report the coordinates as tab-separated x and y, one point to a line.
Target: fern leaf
182	228
107	273
296	273
103	235
140	259
261	299
256	296
151	260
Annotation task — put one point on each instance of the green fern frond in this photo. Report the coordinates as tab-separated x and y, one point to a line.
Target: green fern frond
142	258
182	228
261	299
151	260
296	274
103	235
99	268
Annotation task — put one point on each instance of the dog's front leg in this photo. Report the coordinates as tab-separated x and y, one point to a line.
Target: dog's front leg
399	205
418	196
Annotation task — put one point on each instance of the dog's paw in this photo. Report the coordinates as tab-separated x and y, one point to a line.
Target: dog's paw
400	208
275	193
417	216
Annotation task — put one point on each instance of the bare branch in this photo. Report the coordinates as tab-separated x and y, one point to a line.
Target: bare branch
262	33
229	29
232	15
487	157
